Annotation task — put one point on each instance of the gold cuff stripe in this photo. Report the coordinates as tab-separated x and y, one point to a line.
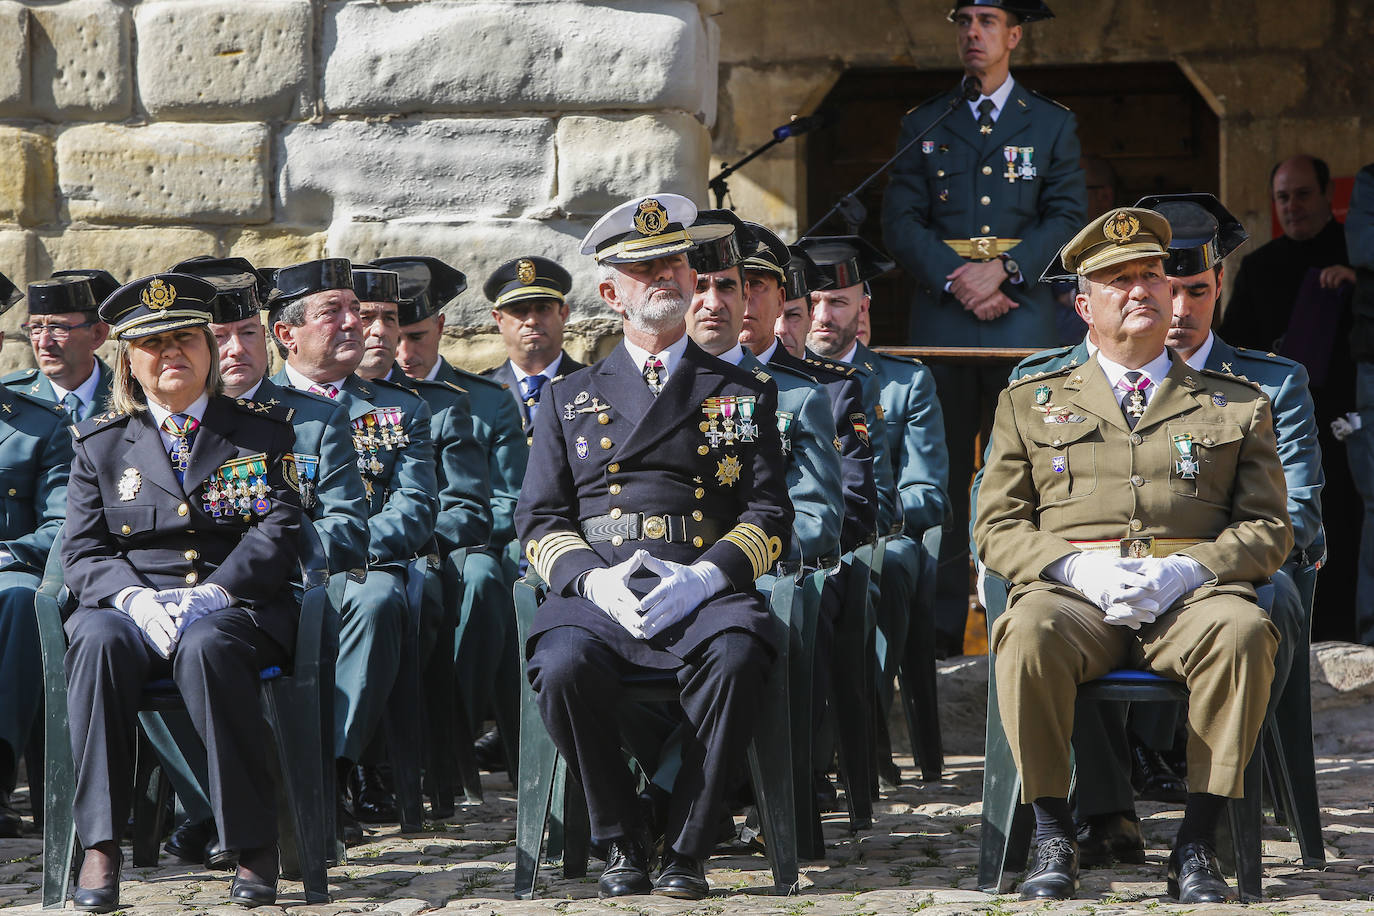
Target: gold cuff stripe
755	544
529	292
543	554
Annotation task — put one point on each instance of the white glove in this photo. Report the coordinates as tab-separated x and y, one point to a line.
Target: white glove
1341	427
607	589
156	619
1132	615
681	591
1167	579
1099	576
194	603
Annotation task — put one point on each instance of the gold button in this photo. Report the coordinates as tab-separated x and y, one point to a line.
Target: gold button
192	554
1135	439
617	540
940	173
13	491
126	530
985	200
191	578
615	513
703	449
605	443
603	419
699	493
1057	442
987	170
1137	480
614	467
183	509
615	489
696	542
1136	524
696	515
987	229
1206	440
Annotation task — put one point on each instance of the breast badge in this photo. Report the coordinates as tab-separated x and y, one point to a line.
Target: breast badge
300	472
1186	467
582	448
1059	463
860	426
377	430
728	471
238	487
129	484
785	430
1218	399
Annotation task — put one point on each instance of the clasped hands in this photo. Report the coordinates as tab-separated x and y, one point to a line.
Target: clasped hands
681	589
163	615
978	285
1132	591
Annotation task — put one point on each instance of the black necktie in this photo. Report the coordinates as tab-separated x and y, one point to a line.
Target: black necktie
1133	404
985	117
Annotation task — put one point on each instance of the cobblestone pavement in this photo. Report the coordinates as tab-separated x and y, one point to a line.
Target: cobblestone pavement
921	856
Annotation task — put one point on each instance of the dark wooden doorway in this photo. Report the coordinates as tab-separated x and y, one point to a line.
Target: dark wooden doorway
1146	120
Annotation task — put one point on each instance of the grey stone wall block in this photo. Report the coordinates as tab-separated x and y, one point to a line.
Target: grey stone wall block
165	173
483	55
80	66
432	168
209	59
603	161
14	58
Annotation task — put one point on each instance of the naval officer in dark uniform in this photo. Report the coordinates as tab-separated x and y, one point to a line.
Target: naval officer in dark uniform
180	546
974	213
623	484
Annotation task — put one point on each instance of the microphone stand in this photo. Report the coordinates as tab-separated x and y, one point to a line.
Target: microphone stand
718	184
849	207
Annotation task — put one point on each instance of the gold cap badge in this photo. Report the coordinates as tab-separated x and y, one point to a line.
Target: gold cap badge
1121	227
159	295
651	219
524	271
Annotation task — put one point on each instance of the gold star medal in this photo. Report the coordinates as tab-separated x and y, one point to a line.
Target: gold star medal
728	471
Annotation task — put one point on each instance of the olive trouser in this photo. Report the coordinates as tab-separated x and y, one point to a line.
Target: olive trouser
1051	639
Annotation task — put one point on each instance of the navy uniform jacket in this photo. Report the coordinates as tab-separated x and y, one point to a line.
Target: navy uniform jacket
33	382
464	515
860	494
130	523
915	431
807	436
506	376
496	424
35	459
651	456
335	500
954	186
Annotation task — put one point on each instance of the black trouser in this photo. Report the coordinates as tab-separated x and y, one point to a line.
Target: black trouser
579	680
216	665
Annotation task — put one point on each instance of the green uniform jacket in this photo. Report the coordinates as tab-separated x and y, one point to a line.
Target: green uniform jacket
954	186
34	383
35	461
914	430
1090	477
866	361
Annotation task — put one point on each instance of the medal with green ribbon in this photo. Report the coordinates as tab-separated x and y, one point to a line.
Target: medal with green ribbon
1187	465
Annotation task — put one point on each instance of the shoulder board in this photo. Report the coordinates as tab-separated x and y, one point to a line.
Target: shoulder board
838	368
458	388
23	375
1048	373
273	409
919	105
788	372
1237	379
1045	356
396	386
892	357
761	375
27	398
1258	357
1045	98
110	419
481	379
488	373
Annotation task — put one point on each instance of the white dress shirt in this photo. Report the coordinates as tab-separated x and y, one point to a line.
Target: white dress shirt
668	356
1154	370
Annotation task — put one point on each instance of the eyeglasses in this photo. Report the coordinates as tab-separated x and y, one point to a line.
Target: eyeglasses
59	332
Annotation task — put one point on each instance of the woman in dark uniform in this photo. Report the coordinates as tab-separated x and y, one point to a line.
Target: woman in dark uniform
180	545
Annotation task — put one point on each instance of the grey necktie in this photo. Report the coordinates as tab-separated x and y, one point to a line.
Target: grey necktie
72	405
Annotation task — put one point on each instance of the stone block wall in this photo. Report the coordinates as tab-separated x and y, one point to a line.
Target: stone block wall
136	134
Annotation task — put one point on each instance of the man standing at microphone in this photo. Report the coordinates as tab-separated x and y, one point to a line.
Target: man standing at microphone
974	213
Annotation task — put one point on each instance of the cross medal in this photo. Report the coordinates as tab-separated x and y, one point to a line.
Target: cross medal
1135	403
1186	466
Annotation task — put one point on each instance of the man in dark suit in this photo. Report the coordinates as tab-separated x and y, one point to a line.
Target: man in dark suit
65	332
528	305
36	453
660	467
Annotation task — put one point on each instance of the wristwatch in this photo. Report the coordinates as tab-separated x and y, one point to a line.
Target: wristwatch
1010	266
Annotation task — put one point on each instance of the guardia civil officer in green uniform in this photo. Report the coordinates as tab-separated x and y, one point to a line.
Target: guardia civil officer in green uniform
65	331
487	654
36	453
317	325
1204	233
974	213
322	469
1133	502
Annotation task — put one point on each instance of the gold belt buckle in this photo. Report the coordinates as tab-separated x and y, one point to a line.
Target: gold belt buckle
983	247
655	527
1137	548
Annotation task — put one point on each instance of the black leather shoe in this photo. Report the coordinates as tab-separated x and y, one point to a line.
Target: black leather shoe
627	869
682	877
1055	875
188	841
374	803
350	832
1153	778
827	798
11	824
1107	838
490	752
102	899
1195	875
255	883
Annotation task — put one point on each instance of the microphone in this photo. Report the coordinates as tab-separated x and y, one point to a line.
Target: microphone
972	88
798	126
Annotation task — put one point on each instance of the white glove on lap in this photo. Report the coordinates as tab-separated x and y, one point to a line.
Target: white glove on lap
156	619
194	603
681	591
607	589
1167	579
1099	576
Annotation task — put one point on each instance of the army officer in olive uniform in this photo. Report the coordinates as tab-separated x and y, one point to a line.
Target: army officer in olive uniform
625	483
1132	502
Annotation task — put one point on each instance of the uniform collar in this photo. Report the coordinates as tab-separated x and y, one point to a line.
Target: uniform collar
848	357
298	380
248	395
767	355
1154	370
85	391
1199	359
732	355
434	372
197	410
668	356
999	99
549	372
